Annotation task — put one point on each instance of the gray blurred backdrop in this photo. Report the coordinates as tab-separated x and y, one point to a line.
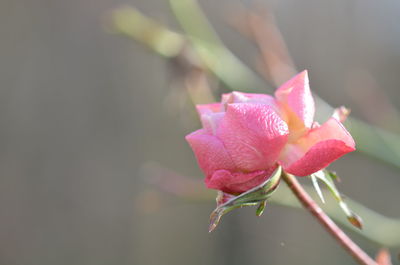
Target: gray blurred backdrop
82	110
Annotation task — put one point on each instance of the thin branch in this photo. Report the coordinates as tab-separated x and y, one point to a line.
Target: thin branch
323	219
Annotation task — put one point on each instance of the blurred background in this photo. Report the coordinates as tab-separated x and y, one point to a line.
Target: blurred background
83	112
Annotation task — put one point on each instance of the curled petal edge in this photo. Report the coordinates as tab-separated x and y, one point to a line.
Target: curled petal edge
316	150
210	152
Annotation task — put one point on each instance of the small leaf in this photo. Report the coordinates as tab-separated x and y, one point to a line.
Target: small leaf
317	188
261	208
327	180
332	175
254	196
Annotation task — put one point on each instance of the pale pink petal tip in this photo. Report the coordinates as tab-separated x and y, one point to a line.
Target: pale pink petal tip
209	108
239	97
296	95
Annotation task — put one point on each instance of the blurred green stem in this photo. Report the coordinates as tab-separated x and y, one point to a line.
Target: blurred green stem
130	22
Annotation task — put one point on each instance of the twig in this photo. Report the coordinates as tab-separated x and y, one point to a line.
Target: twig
329	225
275	62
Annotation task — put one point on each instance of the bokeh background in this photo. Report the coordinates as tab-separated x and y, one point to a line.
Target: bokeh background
82	111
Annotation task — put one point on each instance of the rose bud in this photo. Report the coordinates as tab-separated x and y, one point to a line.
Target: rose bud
246	136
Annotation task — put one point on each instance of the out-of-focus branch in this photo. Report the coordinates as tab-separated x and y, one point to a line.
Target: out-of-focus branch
365	91
220	60
275	63
216	58
130	22
169	44
173	183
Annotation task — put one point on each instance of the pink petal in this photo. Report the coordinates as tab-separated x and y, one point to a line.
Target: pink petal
253	135
210	121
237	182
296	95
210	152
317	149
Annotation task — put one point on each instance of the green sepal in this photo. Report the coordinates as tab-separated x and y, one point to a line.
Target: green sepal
261	208
332	175
254	196
317	188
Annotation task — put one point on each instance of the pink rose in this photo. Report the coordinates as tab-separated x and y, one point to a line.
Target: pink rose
246	136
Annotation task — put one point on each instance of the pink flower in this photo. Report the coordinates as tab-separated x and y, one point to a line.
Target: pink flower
246	136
